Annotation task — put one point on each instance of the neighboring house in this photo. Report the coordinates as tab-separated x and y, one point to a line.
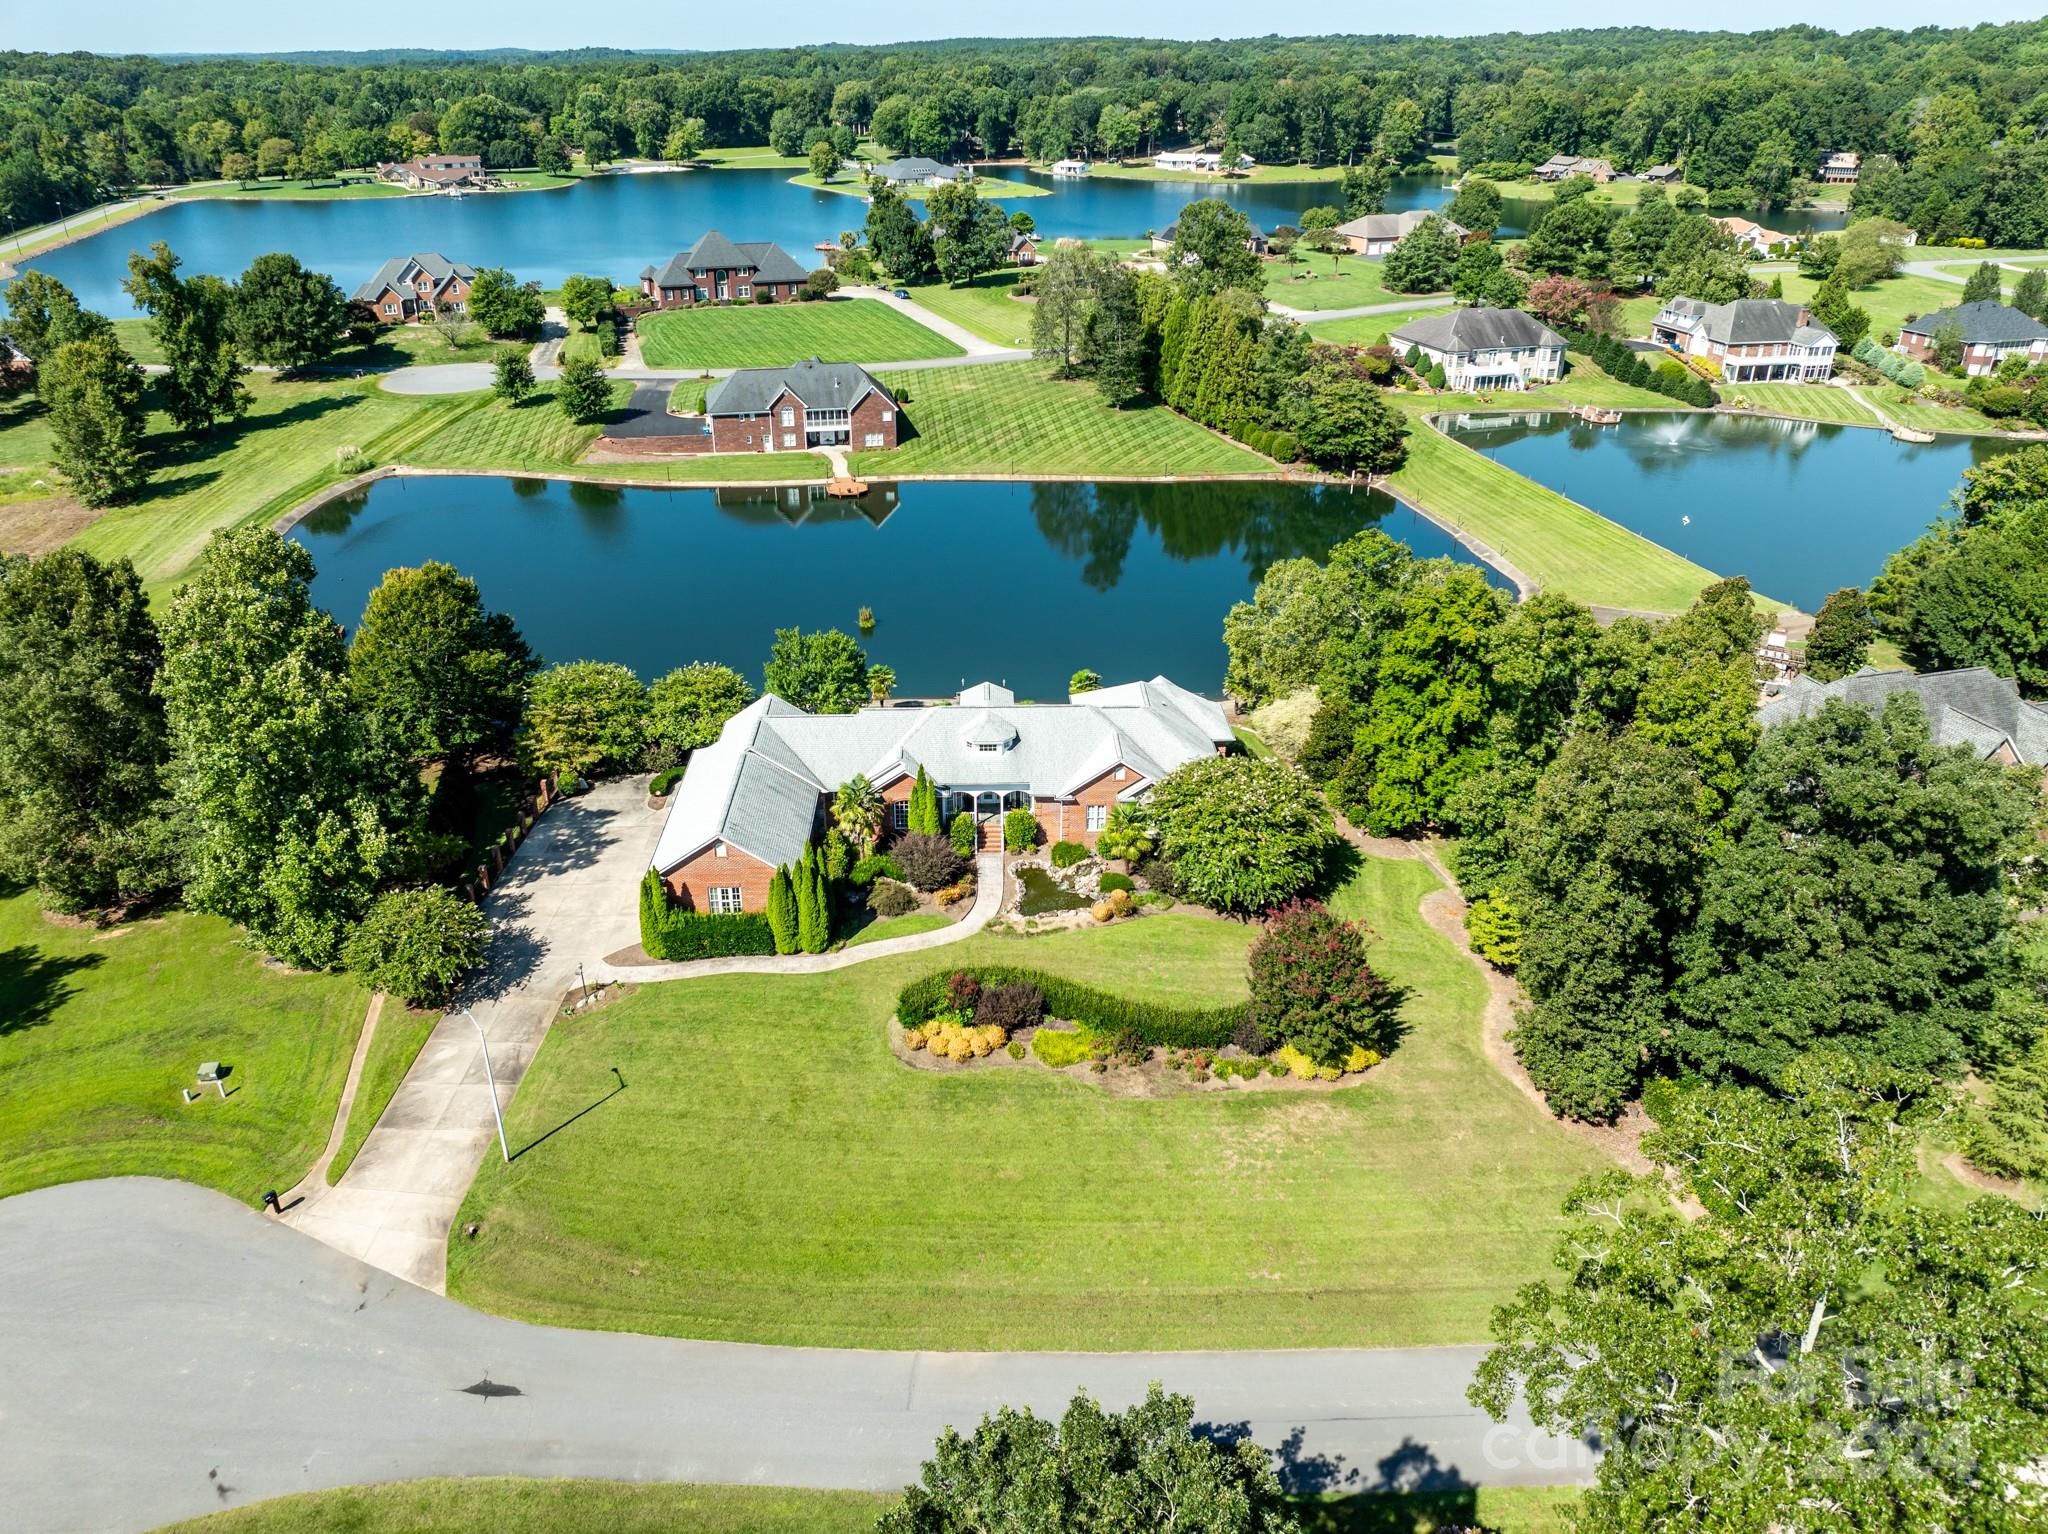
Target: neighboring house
13	359
1990	333
754	799
806	405
1974	707
1023	248
1377	233
435	172
1070	167
1841	169
916	170
715	270
1188	159
411	287
1752	340
1660	173
1561	166
1754	237
1486	348
1256	242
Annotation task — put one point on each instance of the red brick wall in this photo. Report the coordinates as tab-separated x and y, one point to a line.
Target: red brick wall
736	434
691	882
867	417
1067	821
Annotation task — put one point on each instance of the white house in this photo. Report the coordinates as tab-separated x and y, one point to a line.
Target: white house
1188	159
1482	348
916	170
1753	340
1754	237
1070	168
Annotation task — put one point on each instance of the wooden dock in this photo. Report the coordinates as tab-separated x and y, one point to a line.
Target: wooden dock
845	488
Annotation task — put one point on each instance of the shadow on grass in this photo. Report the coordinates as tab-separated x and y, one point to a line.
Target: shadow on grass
34	984
1410	1491
542	1139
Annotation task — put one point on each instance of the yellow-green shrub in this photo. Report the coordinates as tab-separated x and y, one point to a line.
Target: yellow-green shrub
1061	1047
1299	1065
913	1038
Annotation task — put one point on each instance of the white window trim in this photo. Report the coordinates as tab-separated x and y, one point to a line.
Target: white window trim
1097	817
899	815
746	291
726	900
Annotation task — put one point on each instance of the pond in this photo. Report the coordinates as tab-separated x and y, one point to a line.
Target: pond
1039	894
1017	583
1800	508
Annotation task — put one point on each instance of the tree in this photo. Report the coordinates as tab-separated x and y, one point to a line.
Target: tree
900	242
922	816
94	393
82	734
1832	308
968	236
512	377
417	943
552	155
1244	835
1364	186
274	156
1570	236
193	322
1841	637
1403	139
586	300
583	717
1480	276
1063	298
584	391
1302	614
44	316
1421	261
1212	248
782	910
881	683
813	914
1883	1358
287	316
687	709
685	139
1144	1468
1311	984
1982	600
237	167
442	675
498	302
1124	834
824	673
2030	294
857	811
1084	680
1340	419
1984	284
297	807
1116	340
1476	208
1868	251
825	160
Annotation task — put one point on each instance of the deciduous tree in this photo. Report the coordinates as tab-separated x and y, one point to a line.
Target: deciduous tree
583	717
286	315
1244	835
688	708
824	672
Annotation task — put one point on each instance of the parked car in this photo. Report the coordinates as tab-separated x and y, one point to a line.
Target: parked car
901	293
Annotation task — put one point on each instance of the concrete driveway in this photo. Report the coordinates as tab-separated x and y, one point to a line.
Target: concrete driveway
567	896
169	1353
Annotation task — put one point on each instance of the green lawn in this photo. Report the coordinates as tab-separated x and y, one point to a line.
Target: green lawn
1267	173
1330	282
512	1506
1014	418
296	189
1586	384
1559	544
984	306
1888	302
899	926
1928	416
795	1184
1366	329
851	183
769	335
100	1030
718	468
1808	401
583	343
393	1047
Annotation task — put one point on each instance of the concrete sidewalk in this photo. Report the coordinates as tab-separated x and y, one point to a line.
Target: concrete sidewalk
566	896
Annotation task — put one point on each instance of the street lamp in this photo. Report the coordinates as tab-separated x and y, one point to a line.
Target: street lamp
484	1044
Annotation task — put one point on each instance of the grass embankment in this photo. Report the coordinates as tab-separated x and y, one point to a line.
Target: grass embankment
1809	402
987	306
769	335
293	189
1334	282
851	183
393	1047
512	1506
1557	543
796	1184
32	242
1015	418
100	1030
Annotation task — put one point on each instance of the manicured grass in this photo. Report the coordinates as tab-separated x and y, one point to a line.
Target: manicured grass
899	926
716	468
769	335
297	189
1928	416
1888	302
512	1506
30	242
1366	329
1559	544
582	343
1330	282
100	1030
1266	173
1015	418
1586	384
393	1047
795	1184
984	306
480	431
1251	741
1809	402
398	346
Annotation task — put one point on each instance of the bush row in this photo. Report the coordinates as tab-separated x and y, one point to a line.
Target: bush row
1625	365
1277	445
1163	1024
669	933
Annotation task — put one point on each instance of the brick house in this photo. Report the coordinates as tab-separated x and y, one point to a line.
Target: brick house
755	798
805	405
1971	707
411	287
716	270
1560	167
435	172
1990	332
1752	340
1377	233
1754	237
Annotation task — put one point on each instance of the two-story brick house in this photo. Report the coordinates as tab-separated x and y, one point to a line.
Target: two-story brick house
755	798
1752	340
806	405
412	287
716	270
1989	331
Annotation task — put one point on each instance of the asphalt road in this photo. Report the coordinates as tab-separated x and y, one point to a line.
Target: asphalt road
168	1352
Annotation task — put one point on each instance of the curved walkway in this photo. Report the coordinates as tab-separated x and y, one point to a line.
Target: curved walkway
988	899
170	1353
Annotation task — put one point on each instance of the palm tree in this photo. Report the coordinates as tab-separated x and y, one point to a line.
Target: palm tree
881	682
857	812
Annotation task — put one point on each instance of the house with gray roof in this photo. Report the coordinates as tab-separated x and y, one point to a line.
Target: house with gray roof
1752	340
1988	330
1482	348
807	405
916	170
1377	233
756	797
716	270
1973	707
413	287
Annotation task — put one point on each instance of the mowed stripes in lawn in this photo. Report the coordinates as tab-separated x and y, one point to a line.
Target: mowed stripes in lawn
771	335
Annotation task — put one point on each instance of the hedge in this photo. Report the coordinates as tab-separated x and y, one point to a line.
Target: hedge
669	933
1161	1024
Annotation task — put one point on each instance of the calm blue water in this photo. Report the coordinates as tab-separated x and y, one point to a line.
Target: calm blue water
1022	583
615	225
1800	508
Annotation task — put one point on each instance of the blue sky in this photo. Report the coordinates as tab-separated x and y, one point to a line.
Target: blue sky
125	26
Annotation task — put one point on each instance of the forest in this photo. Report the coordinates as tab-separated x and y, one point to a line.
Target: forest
1956	115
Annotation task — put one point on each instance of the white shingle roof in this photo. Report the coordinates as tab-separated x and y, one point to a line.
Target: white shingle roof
1972	707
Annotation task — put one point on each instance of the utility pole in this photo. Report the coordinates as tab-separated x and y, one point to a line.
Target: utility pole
492	1080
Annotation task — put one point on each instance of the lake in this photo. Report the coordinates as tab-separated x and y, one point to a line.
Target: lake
616	225
1018	583
1800	508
